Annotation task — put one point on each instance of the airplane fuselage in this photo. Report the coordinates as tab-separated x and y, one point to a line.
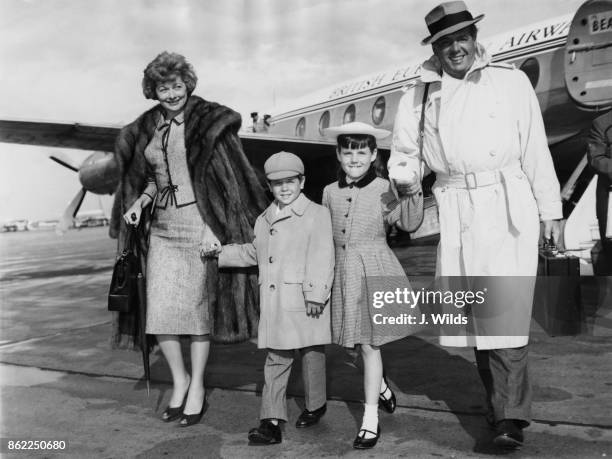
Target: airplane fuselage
539	50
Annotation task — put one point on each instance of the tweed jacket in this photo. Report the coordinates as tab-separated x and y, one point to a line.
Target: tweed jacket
228	195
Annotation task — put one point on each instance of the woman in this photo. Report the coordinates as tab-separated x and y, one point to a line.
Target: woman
186	179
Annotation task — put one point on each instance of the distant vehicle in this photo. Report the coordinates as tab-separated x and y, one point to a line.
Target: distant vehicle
15	225
89	222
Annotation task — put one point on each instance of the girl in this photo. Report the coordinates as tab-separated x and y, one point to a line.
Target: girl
362	207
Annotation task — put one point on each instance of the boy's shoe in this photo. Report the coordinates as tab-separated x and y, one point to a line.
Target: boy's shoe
266	434
310	418
509	434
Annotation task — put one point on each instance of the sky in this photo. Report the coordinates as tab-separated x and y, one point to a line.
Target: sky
82	61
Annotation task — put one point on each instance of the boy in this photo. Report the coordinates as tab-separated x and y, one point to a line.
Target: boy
294	250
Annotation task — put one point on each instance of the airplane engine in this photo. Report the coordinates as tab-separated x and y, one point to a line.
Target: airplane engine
99	173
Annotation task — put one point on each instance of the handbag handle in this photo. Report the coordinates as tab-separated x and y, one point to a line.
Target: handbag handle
129	243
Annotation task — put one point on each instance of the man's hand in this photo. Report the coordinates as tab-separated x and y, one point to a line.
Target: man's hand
407	188
314	309
552	228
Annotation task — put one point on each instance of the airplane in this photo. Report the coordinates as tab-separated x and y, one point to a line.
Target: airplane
568	60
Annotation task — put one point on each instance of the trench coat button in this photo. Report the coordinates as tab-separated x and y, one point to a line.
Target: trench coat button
349	199
492	153
271	260
346	215
351	186
272	287
272	231
344	230
344	246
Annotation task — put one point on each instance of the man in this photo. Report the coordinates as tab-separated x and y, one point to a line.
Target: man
484	138
598	153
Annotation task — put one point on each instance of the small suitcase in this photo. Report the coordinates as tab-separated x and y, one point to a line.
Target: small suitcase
557	304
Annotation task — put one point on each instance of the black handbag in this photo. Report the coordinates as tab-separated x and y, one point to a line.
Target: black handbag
123	292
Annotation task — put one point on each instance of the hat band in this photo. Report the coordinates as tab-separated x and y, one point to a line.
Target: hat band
448	21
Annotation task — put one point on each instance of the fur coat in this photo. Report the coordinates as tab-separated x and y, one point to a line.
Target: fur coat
229	197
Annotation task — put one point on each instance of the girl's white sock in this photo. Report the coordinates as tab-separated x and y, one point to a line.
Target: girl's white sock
370	420
385	391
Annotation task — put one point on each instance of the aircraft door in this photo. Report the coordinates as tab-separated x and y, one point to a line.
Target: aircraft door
588	60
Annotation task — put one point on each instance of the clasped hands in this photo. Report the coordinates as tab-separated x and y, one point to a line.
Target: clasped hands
407	187
210	249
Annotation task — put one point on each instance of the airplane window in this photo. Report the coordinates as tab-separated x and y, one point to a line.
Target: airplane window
324	121
300	127
349	114
531	67
378	110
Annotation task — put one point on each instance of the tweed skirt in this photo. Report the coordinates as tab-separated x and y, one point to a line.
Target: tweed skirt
177	300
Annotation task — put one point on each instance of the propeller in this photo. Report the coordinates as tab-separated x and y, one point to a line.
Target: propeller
70	212
66	161
67	218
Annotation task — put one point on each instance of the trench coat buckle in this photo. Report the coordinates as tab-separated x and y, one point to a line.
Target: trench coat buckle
470	181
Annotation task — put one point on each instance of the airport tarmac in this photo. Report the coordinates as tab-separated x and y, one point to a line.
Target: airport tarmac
60	380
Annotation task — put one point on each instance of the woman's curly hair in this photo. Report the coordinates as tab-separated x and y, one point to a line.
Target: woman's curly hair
163	68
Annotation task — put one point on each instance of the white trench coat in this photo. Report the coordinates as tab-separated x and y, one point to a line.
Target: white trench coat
484	138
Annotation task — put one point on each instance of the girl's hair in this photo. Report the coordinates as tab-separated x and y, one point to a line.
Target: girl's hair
356	141
163	68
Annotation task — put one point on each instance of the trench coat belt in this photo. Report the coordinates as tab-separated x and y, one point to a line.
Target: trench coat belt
507	176
473	180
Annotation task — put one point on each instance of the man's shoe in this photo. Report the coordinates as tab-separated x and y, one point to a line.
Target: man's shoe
508	435
266	434
310	418
366	443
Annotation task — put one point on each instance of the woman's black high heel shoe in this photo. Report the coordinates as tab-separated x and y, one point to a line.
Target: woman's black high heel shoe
191	419
387	404
172	414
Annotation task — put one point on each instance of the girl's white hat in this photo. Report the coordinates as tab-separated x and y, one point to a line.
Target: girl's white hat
356	127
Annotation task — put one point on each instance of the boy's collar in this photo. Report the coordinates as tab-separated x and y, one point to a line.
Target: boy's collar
298	207
362	182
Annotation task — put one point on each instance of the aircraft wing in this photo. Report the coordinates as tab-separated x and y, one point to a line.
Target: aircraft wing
102	138
63	135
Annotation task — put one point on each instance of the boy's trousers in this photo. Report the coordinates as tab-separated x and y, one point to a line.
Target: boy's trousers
276	373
